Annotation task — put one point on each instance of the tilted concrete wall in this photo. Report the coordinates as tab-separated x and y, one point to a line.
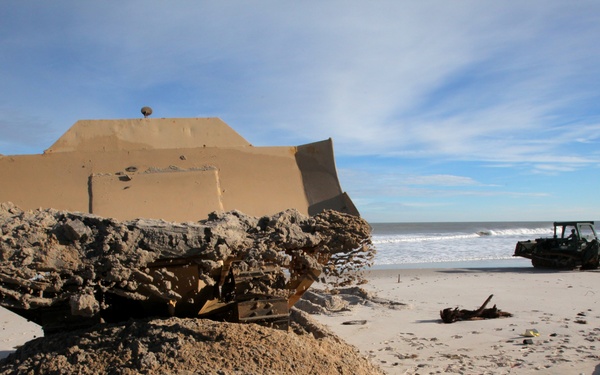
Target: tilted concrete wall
171	169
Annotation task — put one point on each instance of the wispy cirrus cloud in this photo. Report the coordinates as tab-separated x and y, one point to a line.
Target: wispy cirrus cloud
423	99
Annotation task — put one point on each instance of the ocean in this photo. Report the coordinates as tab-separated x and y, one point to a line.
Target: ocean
456	244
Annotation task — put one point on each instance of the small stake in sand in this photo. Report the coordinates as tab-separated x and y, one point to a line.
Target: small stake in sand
398	278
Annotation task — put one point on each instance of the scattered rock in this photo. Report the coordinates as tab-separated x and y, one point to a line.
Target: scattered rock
355	322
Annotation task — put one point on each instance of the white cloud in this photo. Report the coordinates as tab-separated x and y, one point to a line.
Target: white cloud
420	78
439	180
511	84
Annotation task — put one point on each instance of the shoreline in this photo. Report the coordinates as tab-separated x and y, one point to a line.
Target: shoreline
516	262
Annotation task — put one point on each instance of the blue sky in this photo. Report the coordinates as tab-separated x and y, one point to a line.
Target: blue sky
439	110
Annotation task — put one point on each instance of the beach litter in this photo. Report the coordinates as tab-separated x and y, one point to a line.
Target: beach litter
531	333
355	322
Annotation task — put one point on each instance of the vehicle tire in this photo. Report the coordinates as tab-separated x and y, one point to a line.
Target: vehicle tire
539	262
591	257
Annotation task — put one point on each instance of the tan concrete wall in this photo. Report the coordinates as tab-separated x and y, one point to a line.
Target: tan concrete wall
146	133
170	195
175	183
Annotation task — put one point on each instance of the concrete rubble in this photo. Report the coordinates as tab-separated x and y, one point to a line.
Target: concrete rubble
50	257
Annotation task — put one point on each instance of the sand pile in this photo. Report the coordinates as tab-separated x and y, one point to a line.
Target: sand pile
187	346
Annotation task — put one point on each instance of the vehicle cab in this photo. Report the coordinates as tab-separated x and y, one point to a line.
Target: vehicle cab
574	233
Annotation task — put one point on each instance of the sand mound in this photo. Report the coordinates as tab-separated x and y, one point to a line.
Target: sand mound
186	346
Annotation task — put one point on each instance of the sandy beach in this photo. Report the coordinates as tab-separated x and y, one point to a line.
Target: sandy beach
562	306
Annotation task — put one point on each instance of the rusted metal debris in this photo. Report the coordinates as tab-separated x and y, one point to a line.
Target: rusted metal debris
450	315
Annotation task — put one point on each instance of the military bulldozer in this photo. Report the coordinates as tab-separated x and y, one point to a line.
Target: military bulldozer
573	245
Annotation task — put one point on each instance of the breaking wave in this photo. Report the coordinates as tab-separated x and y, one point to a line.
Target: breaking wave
515	232
451	242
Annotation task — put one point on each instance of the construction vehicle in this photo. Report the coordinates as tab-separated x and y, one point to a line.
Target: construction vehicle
573	245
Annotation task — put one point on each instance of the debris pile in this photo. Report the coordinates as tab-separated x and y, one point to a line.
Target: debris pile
99	268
